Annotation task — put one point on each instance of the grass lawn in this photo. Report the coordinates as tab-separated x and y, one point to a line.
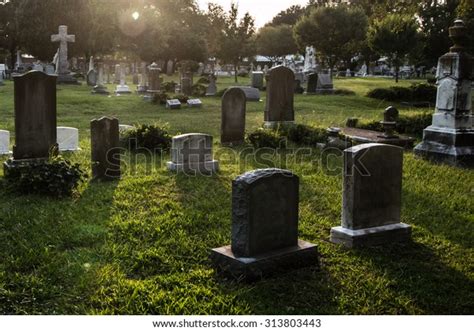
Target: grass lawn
141	245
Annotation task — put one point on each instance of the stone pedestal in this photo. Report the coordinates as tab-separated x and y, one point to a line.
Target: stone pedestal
450	139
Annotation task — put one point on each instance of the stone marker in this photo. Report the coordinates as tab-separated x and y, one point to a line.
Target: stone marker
100	88
212	87
372	194
194	103
173	104
233	116
105	149
92	77
325	84
264	227
64	76
251	93
170	67
312	83
49	69
279	107
154	78
35	115
143	84
68	139
450	139
122	88
257	79
123	128
4	142
192	154
187	83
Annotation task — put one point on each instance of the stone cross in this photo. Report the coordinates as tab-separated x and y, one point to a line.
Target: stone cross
63	38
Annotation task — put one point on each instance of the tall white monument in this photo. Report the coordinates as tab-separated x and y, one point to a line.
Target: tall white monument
63	38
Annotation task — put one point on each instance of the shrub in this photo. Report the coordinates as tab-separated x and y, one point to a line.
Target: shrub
198	90
152	137
266	138
221	93
408	124
169	87
55	177
181	97
159	98
343	91
306	135
204	80
424	92
416	92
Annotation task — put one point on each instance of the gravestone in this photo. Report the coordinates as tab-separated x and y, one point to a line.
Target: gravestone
122	88
234	105
279	107
265	217
310	60
173	104
49	69
100	88
212	87
450	138
19	61
38	67
251	93
1	78
348	73
4	142
372	195
143	84
257	79
68	139
192	154
187	83
325	84
154	79
64	75
298	88
105	149
92	77
312	83
117	74
35	115
169	68
194	103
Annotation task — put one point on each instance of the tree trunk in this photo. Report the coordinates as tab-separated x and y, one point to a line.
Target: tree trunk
397	70
12	59
235	73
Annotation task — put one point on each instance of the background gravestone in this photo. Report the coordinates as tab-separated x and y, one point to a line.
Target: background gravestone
279	107
35	115
372	194
257	79
154	78
105	149
68	139
4	142
312	83
264	227
233	116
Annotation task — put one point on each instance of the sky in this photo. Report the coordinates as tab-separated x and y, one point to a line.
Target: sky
262	10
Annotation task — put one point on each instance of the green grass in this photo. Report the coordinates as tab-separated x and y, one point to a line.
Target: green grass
141	245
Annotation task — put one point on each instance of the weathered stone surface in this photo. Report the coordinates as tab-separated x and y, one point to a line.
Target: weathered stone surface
63	38
68	139
92	76
4	142
192	154
194	103
212	87
312	83
154	79
450	139
257	79
35	115
264	226
122	88
105	149
173	104
187	83
362	136
233	116
251	93
280	95
372	193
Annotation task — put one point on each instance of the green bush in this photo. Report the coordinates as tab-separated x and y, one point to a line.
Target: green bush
169	87
343	91
416	92
56	177
204	80
152	137
198	90
306	135
181	97
159	98
221	93
266	138
406	124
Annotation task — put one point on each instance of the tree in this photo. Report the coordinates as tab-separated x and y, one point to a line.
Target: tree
289	16
465	11
337	33
276	42
9	29
234	40
395	37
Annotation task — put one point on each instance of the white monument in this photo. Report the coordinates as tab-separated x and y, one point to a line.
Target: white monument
63	38
67	139
122	88
4	142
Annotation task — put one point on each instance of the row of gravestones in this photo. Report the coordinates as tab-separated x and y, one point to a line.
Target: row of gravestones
317	83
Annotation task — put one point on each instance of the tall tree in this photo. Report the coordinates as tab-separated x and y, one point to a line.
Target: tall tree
235	40
337	33
276	41
465	11
9	29
395	37
289	16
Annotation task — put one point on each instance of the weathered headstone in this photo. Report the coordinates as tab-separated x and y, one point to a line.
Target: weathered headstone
192	154
450	138
187	83
251	93
234	105
310	60
212	87
312	83
325	84
64	76
257	79
372	195
154	78
194	103
35	115
169	68
100	88
92	77
122	88
143	84
117	74
68	139
105	149
4	142
279	107
173	104
264	227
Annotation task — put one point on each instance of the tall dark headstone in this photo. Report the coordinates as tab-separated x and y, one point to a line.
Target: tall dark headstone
279	107
450	138
264	227
233	116
105	149
312	83
372	197
35	115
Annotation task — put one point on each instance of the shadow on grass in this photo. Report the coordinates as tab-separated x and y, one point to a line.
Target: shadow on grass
419	274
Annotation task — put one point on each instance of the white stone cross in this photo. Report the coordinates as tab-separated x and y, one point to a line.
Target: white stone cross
63	38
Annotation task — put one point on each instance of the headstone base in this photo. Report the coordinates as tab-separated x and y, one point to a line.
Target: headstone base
453	147
100	89
276	125
207	168
11	165
251	269
371	236
67	80
122	89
